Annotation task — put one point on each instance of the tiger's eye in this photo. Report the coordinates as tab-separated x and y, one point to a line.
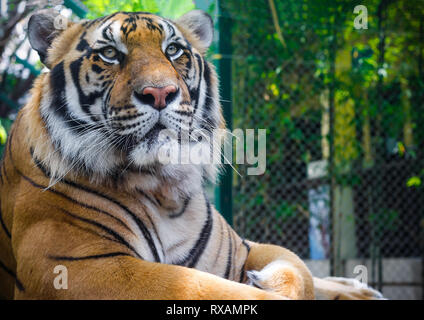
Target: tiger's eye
172	50
109	52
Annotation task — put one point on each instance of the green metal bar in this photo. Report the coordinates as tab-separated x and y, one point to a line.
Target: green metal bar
335	263
27	65
224	196
77	7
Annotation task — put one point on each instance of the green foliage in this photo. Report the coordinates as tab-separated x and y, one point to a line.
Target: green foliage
414	181
3	134
384	220
5	125
377	96
168	8
286	210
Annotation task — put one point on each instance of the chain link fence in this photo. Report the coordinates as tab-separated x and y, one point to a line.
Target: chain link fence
344	111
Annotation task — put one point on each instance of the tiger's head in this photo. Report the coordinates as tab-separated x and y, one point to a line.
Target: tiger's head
116	82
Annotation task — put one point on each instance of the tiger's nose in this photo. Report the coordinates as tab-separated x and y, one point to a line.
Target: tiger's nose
157	97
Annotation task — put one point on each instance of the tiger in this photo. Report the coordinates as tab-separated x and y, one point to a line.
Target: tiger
82	186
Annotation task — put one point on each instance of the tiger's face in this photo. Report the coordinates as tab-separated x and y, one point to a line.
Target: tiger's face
116	82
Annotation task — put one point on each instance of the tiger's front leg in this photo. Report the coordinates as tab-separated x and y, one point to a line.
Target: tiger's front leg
104	270
279	270
335	288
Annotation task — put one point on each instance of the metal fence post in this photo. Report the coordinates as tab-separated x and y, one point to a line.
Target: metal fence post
224	197
77	7
334	257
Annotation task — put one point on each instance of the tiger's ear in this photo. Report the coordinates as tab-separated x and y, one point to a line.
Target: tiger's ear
199	23
43	27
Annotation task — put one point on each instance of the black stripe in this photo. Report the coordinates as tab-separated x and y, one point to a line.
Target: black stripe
155	231
188	65
97	256
13	275
8	271
246	245
244	264
230	251
221	235
96	68
129	117
103	227
151	25
100	20
103	20
200	245
129	25
85	100
209	123
5	174
183	209
195	95
108	230
107	100
107	34
170	28
97	234
57	83
139	223
83	44
59	105
184	113
4	225
203	239
47	174
154	201
234	254
256	285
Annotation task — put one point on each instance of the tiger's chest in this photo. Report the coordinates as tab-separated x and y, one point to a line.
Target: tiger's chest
196	236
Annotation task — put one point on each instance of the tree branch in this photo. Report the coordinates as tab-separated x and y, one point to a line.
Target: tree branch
276	23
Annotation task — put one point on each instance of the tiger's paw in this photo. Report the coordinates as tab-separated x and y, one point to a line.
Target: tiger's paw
353	289
279	277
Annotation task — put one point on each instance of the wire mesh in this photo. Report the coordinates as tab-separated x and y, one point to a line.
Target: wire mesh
343	111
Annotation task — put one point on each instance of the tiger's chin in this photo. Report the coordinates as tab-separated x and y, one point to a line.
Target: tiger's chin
168	160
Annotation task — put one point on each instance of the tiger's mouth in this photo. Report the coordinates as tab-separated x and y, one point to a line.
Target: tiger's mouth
130	141
153	134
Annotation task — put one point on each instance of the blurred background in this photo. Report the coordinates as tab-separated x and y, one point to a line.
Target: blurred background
340	92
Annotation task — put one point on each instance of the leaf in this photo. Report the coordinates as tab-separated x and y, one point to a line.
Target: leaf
413	182
3	134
